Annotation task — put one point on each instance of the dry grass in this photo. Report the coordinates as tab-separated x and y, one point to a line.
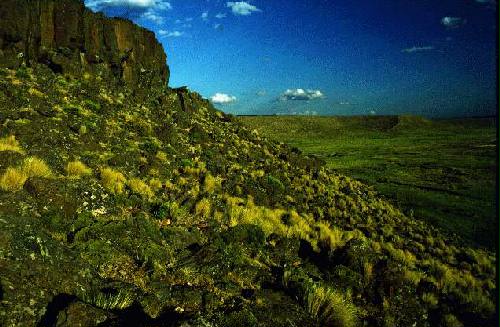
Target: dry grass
113	181
13	179
35	167
77	169
330	307
10	143
139	187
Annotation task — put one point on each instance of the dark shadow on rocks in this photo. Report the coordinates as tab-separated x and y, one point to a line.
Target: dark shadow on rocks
134	316
58	303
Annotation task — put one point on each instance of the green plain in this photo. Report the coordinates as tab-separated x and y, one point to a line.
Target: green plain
441	171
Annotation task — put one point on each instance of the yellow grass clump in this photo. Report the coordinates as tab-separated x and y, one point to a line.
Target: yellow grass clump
9	143
155	184
139	187
203	208
13	179
35	167
77	169
113	181
330	306
210	183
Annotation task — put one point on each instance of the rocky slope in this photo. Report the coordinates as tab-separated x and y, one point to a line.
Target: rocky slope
126	205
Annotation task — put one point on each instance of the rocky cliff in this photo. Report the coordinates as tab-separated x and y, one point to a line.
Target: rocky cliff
69	38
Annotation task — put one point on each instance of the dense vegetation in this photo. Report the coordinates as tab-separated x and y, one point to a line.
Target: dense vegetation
118	208
442	171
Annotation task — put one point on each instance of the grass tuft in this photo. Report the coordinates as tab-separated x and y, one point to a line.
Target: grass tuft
139	187
35	167
330	306
77	169
10	143
13	179
113	181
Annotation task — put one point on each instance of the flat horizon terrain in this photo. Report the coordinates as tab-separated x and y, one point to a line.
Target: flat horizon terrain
442	171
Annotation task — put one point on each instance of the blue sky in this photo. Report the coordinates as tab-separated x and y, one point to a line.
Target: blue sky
328	57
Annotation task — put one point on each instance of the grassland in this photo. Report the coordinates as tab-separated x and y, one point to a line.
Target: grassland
442	171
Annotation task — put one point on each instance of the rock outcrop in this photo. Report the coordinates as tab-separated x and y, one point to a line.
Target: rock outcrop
70	38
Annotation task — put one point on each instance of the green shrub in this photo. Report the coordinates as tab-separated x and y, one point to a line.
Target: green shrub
275	183
94	106
450	320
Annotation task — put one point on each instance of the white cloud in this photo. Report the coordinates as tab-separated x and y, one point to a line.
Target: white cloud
220	15
145	9
418	49
222	98
452	22
144	4
204	15
301	94
242	8
153	16
170	33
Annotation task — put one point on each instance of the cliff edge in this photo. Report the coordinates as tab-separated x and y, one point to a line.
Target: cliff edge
69	38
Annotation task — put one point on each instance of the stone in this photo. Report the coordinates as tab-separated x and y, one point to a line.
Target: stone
71	39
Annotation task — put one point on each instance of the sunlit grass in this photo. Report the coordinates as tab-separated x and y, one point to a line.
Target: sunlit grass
330	306
35	167
9	143
113	181
139	187
13	179
77	169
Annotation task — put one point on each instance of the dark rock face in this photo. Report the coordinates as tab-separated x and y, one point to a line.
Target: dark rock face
69	38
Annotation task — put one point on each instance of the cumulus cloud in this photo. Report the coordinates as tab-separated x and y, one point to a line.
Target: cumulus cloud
222	98
452	22
145	9
418	49
220	15
138	4
242	8
170	33
301	94
204	15
153	16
